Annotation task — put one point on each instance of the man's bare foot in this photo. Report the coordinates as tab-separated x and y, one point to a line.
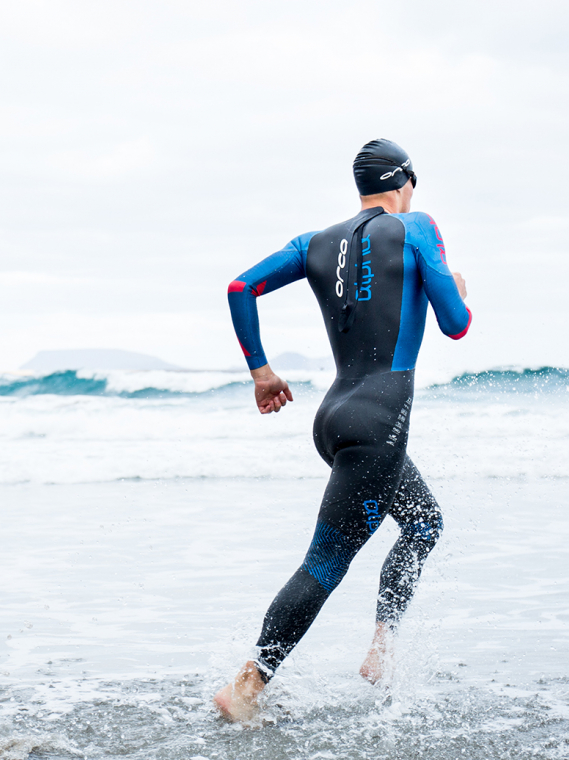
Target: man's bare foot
378	658
238	700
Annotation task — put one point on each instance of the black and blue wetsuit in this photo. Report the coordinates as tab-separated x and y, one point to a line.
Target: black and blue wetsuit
373	277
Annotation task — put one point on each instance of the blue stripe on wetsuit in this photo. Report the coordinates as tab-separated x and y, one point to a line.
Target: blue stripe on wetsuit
328	557
427	278
282	268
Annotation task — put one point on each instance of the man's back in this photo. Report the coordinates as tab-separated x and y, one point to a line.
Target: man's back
403	266
399	254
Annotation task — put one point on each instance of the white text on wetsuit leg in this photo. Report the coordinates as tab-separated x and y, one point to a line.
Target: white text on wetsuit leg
400	421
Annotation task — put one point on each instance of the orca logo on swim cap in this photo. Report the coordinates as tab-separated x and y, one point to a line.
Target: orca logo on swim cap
387	175
381	166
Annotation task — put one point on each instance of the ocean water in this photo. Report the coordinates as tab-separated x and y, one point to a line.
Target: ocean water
150	517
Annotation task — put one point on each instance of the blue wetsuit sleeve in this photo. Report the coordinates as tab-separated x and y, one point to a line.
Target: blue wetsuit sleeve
282	268
453	316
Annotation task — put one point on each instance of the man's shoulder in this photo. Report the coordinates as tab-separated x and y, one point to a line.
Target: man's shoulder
301	242
420	228
418	218
335	229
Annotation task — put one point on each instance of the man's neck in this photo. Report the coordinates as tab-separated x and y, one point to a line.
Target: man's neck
394	201
389	204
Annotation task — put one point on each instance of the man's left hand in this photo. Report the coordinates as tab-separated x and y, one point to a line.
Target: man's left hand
271	393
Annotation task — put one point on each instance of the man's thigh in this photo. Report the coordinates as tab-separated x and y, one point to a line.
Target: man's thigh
361	489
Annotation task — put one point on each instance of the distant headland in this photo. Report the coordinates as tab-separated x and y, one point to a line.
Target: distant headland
94	358
117	359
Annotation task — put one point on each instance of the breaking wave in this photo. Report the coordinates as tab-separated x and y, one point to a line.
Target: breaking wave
163	384
542	380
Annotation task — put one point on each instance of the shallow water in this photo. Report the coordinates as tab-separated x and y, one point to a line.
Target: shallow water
169	719
133	602
143	539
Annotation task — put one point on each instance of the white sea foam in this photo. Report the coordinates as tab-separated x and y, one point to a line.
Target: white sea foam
205	426
120	381
20	748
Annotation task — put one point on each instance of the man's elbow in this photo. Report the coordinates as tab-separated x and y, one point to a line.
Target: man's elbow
462	333
236	286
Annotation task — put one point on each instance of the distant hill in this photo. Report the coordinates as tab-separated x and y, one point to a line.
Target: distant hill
291	360
94	358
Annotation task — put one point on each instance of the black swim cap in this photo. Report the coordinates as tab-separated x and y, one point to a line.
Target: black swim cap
381	166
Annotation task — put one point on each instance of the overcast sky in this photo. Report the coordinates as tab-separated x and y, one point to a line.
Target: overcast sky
152	151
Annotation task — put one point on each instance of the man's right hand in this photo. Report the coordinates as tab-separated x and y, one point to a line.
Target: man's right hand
460	284
271	393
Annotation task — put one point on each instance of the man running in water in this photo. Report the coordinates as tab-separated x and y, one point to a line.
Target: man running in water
373	277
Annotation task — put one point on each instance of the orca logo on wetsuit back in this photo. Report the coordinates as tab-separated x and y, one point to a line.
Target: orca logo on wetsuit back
341	265
364	294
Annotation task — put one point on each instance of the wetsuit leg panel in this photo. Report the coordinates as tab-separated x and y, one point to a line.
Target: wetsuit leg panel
362	430
290	615
418	515
361	489
357	498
